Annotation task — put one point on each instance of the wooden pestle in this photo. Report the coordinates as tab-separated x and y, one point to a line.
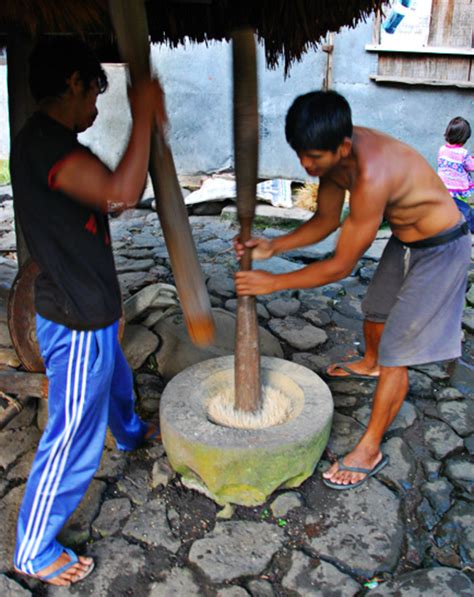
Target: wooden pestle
247	353
131	28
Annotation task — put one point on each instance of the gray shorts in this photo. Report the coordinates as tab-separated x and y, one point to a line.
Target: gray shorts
419	294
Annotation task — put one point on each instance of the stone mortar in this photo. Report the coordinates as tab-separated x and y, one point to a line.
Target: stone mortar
242	466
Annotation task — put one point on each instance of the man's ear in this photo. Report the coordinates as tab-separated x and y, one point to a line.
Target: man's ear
345	147
75	83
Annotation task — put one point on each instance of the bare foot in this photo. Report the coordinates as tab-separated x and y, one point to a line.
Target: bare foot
72	574
357	458
353	367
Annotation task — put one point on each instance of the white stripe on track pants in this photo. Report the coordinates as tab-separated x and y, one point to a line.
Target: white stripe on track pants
90	388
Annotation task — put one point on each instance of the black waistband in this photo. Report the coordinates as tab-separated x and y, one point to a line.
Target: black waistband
439	239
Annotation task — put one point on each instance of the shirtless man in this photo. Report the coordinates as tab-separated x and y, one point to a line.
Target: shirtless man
413	307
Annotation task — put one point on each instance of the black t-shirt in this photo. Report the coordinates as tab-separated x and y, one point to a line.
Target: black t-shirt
77	285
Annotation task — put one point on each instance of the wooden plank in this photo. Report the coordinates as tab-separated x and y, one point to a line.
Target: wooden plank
452	22
416	81
131	27
448	51
437	68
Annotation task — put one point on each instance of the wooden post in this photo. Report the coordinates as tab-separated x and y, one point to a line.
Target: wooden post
130	24
20	106
329	49
247	354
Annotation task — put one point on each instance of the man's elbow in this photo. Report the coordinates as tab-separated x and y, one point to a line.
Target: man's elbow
341	269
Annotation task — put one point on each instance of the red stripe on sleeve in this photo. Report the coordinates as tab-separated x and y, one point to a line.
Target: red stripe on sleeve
53	172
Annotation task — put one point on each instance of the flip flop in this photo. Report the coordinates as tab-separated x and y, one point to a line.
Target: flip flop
369	472
351	374
48	577
156	435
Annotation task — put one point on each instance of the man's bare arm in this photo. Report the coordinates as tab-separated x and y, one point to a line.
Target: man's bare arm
87	179
325	221
357	233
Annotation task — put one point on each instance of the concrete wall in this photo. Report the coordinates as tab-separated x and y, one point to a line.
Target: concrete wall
197	80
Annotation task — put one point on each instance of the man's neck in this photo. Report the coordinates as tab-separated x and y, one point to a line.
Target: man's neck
59	111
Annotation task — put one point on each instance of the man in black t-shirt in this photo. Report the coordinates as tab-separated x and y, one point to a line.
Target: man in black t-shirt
62	195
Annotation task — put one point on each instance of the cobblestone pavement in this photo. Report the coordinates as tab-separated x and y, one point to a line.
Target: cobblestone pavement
408	531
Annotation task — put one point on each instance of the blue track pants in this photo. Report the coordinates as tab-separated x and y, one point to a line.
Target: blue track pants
90	388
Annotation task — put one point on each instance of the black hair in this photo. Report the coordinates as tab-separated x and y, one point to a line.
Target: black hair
318	120
55	58
458	131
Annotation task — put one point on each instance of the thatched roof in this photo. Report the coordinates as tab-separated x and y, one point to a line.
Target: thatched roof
288	27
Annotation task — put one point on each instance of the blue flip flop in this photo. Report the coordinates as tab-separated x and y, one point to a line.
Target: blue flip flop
369	472
74	560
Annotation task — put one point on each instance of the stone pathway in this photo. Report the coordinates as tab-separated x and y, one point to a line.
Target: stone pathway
409	531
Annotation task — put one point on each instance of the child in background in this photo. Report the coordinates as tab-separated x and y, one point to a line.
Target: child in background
455	165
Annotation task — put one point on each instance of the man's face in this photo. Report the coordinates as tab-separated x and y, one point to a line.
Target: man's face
87	107
318	162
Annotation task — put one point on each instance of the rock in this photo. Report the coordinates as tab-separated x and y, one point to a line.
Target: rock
298	333
123	265
136	485
468	320
177	352
376	249
176	582
78	528
161	474
448	394
149	386
221	285
438	493
470	296
283	307
236	549
352	387
260	588
138	344
317	318
232	592
457	530
317	363
461	472
215	246
278	265
312	299
431	468
426	515
446	582
131	282
14	443
155	296
469	443
284	503
112	464
359	529
309	577
334	290
401	467
436	371
421	385
459	415
367	272
405	418
9	507
149	524
344	401
349	307
111	517
441	439
118	564
345	434
22	468
231	305
9	588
